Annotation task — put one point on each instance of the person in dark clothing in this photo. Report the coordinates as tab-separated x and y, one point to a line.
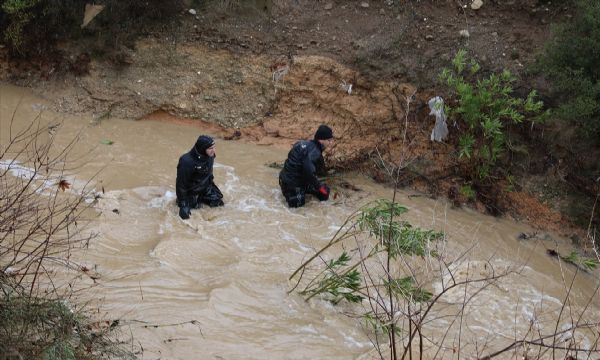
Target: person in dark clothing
194	185
304	162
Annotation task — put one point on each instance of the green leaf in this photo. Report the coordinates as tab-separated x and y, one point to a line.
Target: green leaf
106	142
468	192
405	288
465	144
459	60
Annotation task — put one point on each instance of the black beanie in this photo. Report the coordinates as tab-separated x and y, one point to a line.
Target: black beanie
203	143
324	132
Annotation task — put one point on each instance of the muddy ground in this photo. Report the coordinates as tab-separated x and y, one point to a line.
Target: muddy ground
273	77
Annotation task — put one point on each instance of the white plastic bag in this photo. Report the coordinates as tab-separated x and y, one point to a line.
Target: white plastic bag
440	130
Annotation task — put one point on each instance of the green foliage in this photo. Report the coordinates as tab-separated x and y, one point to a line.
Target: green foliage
468	192
485	105
379	325
585	263
571	61
510	187
406	288
341	280
338	286
399	237
385	244
20	13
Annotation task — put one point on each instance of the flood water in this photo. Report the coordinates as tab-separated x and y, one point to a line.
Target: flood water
223	274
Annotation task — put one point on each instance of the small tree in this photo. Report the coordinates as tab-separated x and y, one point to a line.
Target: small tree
485	106
387	292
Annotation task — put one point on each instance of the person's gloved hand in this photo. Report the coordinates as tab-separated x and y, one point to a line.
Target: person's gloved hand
323	193
324	190
184	210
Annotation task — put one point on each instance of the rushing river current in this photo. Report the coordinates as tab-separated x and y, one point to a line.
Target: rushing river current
217	284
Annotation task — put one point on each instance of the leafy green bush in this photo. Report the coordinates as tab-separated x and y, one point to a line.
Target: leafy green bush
485	105
18	14
571	61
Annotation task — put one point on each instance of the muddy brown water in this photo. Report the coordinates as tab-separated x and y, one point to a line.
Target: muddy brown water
227	268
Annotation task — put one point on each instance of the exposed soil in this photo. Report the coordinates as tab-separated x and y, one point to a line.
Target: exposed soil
273	78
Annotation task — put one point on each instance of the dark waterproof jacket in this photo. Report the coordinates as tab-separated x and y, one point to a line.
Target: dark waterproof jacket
303	163
194	175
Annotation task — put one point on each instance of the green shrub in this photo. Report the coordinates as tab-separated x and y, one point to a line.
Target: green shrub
18	13
571	61
485	105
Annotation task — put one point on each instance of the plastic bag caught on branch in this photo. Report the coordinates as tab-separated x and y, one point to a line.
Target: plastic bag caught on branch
90	13
440	130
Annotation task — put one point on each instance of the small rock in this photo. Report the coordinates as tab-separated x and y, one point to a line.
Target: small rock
328	6
476	4
381	12
364	4
495	34
429	37
192	11
464	33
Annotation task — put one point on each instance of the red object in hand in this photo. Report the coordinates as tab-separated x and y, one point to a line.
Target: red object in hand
323	190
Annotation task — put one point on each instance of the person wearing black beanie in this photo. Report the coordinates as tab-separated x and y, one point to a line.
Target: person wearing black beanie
324	132
195	181
299	174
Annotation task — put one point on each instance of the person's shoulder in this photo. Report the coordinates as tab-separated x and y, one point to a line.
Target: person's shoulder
314	150
186	158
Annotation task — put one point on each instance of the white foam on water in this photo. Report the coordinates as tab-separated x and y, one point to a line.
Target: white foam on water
47	185
27	173
308	329
352	342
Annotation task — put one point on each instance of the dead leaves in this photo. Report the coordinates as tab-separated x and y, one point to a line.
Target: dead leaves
63	185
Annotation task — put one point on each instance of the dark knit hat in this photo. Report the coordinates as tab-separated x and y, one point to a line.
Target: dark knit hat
203	143
324	132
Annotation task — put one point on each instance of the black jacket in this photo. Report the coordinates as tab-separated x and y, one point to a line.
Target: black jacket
303	163
194	175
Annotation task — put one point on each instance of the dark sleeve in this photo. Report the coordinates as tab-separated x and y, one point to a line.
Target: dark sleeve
182	184
309	170
320	165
